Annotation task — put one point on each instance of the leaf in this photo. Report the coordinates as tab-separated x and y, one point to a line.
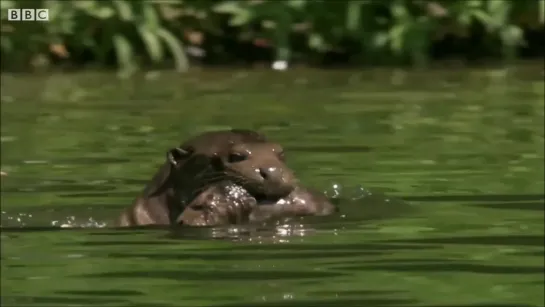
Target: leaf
400	12
474	4
124	53
397	37
417	40
512	35
241	18
7	4
177	2
6	44
124	10
484	18
498	11
176	48
103	12
229	7
152	42
84	4
316	41
497	6
150	16
465	18
541	11
353	15
54	7
240	14
297	4
380	39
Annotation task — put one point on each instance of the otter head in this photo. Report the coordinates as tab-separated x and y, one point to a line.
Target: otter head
243	157
259	168
186	165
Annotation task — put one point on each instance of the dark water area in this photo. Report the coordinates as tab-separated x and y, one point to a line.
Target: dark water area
439	177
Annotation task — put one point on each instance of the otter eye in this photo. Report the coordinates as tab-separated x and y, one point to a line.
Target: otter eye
281	155
236	157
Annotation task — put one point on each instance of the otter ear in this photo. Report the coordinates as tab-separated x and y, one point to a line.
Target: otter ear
216	162
177	155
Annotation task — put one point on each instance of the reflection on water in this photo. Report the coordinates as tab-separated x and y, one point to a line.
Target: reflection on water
358	204
451	214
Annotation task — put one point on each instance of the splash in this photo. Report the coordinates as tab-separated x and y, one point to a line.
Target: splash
71	222
355	193
26	219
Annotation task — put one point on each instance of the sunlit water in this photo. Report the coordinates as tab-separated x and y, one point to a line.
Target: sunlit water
439	178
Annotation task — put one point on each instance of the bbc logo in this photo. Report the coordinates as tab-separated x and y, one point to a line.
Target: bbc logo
28	14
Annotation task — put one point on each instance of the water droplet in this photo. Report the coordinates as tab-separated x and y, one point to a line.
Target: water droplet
334	191
358	193
288	296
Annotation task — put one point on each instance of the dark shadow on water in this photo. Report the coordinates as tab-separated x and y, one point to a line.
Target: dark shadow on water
91	161
329	149
540	253
346	293
90	231
360	302
31	229
42	301
512	240
126	243
60	188
439	267
121	194
72	188
475	198
359	248
109	232
102	293
154	305
367	210
533	282
58	301
214	275
212	256
326	246
530	205
363	302
252	252
409	260
478	305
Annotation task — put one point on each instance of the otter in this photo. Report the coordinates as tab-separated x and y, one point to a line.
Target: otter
226	203
223	177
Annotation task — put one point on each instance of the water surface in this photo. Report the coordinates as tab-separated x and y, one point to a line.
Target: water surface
464	148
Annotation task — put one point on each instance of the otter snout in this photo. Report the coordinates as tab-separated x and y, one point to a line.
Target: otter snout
265	172
259	168
277	181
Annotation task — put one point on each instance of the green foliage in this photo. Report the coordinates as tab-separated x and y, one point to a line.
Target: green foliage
99	26
155	30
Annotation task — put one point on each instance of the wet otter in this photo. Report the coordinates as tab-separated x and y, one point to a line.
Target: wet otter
227	203
223	177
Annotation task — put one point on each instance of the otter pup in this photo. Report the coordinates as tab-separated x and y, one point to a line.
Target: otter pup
223	177
227	203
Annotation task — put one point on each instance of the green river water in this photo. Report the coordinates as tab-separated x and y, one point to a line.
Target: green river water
440	177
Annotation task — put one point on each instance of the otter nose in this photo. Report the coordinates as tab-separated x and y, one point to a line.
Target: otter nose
267	172
276	181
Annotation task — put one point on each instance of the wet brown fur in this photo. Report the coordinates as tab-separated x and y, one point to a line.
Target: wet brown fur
192	186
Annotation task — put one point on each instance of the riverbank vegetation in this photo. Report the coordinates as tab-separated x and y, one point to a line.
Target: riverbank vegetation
128	35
